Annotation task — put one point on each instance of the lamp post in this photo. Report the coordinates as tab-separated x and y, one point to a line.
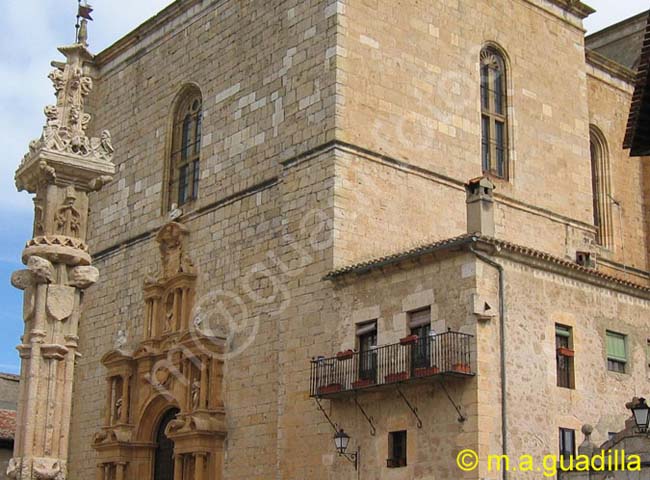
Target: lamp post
342	440
641	412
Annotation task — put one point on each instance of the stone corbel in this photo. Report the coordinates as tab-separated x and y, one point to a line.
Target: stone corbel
42	269
83	277
54	352
49	469
23	279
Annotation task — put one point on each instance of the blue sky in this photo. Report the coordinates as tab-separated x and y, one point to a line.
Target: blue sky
29	35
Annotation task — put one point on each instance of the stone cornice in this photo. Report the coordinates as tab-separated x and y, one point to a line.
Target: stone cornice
614	69
503	249
574	7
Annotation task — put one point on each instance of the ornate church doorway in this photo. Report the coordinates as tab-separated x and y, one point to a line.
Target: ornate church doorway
164	456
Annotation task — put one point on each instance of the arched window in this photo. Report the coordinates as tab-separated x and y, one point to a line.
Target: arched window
164	456
186	149
600	185
494	113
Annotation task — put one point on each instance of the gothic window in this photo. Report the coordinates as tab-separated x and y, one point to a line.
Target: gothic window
186	149
600	187
164	456
494	116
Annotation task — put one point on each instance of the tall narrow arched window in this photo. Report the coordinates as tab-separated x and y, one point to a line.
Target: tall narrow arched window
601	189
494	113
186	149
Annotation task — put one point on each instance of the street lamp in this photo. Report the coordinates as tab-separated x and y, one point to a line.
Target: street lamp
641	412
342	440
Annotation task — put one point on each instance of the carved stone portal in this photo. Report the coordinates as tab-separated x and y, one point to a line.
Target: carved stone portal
61	168
173	367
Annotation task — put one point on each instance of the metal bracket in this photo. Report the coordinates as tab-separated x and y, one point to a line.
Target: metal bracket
411	407
461	417
320	407
373	430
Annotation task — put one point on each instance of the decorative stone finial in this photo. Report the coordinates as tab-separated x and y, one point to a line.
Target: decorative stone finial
66	123
587	447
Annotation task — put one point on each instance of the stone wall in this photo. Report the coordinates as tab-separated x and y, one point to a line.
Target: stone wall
280	206
266	75
609	101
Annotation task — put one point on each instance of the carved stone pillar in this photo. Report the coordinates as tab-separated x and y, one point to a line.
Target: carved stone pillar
61	168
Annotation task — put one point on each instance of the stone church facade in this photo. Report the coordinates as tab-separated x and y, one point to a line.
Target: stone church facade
413	221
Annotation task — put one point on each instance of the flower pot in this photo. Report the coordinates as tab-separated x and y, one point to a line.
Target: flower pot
565	352
348	354
396	377
411	339
426	371
461	368
331	388
365	382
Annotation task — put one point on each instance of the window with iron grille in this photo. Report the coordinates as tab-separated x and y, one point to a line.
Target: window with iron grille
616	352
396	449
567	443
564	356
185	166
494	114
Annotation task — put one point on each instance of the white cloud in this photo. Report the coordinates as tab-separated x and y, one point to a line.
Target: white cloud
609	12
32	32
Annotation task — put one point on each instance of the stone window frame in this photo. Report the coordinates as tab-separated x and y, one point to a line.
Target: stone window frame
601	187
617	364
494	66
184	161
564	450
564	331
397	440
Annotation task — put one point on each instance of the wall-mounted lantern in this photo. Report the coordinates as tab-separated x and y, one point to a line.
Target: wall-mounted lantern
342	440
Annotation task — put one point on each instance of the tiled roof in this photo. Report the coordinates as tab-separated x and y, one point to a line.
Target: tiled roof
7	424
463	241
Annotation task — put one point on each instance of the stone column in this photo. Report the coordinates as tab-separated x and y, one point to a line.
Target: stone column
61	168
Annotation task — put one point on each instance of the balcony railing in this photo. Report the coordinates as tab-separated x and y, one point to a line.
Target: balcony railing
410	360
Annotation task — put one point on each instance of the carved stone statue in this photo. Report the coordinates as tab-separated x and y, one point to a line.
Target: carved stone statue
118	409
121	339
196	394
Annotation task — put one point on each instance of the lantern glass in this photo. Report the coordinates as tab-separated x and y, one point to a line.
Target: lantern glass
341	440
641	413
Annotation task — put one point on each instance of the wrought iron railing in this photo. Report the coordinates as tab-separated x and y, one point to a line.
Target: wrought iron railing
413	358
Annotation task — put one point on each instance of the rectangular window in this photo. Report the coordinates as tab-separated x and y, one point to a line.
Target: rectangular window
367	344
564	356
420	325
500	148
195	179
396	449
616	352
567	442
485	155
183	185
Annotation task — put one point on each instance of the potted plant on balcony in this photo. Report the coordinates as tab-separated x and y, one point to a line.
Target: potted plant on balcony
461	368
329	389
409	340
345	355
426	371
397	377
363	383
565	352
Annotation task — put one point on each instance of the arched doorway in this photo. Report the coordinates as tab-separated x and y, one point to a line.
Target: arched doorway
164	455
